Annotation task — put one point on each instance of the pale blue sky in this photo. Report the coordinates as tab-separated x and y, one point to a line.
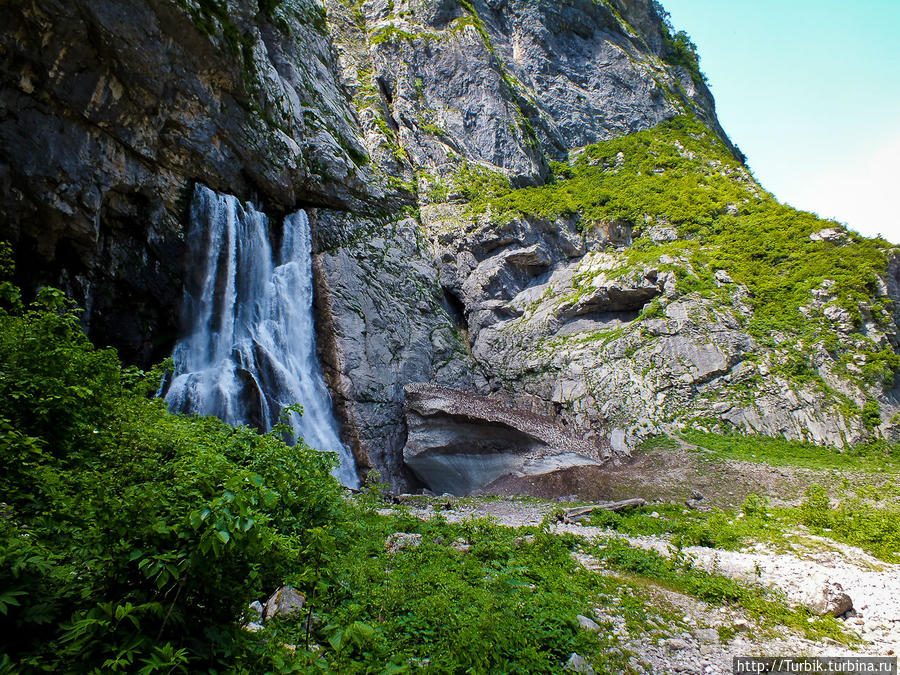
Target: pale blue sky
810	91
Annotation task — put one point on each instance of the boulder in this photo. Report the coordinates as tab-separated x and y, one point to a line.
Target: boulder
578	664
824	597
830	234
286	601
588	624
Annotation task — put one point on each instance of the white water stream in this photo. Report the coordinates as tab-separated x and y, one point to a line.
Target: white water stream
248	348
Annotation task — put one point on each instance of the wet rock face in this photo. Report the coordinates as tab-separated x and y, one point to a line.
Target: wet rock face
112	110
459	442
383	322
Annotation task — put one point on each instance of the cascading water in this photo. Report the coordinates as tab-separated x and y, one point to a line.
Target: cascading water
249	347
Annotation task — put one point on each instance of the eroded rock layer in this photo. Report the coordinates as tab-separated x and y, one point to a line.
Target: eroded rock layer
459	442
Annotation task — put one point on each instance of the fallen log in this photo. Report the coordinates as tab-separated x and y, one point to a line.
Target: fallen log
576	514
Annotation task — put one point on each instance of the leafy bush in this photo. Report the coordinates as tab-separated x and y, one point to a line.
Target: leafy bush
132	539
816	508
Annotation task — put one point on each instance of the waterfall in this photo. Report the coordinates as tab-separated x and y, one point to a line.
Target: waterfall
249	339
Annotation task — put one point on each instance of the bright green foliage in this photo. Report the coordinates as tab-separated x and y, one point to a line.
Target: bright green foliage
855	521
780	452
682	174
132	539
712	529
505	606
654	176
680	50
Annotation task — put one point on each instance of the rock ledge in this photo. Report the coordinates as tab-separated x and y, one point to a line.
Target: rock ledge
459	442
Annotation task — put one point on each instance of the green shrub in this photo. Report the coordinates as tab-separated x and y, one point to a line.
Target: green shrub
132	539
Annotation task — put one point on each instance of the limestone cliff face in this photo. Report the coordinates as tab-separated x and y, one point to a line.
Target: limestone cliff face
112	110
379	116
505	83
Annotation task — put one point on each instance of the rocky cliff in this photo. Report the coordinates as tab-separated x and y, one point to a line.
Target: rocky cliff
112	110
528	200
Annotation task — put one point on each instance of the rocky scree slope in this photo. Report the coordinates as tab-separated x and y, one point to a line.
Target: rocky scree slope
465	236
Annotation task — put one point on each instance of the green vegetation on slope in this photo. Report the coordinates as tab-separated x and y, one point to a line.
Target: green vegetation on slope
873	457
680	49
680	175
132	540
867	519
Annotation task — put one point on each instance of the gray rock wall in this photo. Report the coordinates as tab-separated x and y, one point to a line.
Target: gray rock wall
112	110
384	322
508	83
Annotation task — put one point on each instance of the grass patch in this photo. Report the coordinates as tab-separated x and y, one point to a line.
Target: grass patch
872	458
866	517
858	519
688	527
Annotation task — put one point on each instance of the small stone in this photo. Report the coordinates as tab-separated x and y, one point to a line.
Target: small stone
675	644
588	624
723	277
256	609
707	636
461	545
578	664
654	515
253	627
284	602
